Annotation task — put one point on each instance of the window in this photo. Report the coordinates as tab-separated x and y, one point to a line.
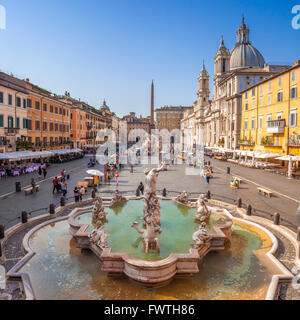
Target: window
71	115
253	92
246	95
18	123
260	88
29	103
269	117
29	124
45	107
10	122
24	103
25	123
279	96
293	118
45	141
246	124
1	97
1	121
259	139
37	125
246	106
269	99
56	126
293	92
253	103
56	110
252	123
293	75
270	85
51	126
10	99
45	126
279	115
260	122
37	105
260	101
18	101
279	81
60	111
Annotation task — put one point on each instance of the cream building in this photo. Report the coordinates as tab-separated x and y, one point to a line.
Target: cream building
235	71
13	112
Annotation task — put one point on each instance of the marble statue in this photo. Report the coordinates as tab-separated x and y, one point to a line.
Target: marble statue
183	198
151	202
202	212
200	236
99	236
118	199
149	235
98	212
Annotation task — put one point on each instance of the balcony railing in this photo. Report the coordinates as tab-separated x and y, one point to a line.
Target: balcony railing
11	131
276	126
246	143
294	143
271	143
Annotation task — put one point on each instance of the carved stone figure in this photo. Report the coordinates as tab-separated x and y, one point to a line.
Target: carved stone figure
117	200
98	212
183	198
99	236
202	213
151	206
200	237
149	235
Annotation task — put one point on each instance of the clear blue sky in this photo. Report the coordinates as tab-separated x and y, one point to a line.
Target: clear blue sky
112	49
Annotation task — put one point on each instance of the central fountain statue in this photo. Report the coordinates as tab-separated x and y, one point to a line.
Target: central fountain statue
98	212
151	212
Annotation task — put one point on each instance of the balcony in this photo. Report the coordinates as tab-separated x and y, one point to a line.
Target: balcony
11	131
294	143
267	142
246	143
276	126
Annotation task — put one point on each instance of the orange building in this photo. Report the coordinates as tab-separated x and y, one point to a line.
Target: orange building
78	129
48	119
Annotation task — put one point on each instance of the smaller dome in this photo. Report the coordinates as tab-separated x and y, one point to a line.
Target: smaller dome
105	106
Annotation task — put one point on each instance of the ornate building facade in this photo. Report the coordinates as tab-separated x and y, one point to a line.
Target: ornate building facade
218	121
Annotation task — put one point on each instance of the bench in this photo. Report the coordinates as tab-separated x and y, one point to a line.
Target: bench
29	190
265	192
238	179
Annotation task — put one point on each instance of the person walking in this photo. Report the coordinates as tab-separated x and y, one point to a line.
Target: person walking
40	170
207	178
33	185
76	194
55	184
117	178
108	176
64	188
45	172
81	192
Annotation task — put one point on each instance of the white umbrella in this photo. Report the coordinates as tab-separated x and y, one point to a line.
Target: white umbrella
97	173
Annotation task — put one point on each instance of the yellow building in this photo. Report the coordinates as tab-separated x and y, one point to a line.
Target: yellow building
270	121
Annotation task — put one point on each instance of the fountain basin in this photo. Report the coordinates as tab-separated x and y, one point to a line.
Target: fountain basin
157	272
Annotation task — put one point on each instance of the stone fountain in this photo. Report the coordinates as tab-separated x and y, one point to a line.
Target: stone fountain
150	272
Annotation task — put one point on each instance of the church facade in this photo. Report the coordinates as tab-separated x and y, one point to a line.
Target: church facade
217	122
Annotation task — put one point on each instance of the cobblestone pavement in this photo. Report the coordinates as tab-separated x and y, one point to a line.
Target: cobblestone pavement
177	178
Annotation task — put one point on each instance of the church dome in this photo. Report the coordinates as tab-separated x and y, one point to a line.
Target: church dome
104	106
244	55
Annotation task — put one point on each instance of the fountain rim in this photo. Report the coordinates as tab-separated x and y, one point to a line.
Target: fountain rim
29	253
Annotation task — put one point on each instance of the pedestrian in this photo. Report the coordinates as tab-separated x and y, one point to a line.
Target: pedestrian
81	192
55	183
76	194
33	185
44	172
64	188
40	170
207	178
131	168
117	178
141	188
108	176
